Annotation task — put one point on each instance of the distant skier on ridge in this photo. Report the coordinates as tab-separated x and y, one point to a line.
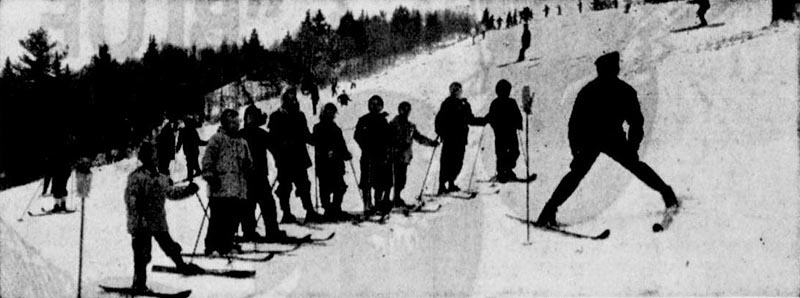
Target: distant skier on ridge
596	127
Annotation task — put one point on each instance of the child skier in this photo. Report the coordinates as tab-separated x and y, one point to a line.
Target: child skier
190	141
373	136
506	120
403	134
330	153
144	199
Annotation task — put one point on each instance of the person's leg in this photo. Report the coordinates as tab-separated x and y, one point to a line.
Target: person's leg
400	170
458	163
581	163
247	213
339	189
284	192
170	248
444	166
366	184
215	224
629	159
192	166
268	211
521	54
141	244
304	192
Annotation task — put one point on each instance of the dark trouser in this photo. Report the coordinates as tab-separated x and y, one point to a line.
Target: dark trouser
375	175
507	151
192	166
581	163
46	182
331	190
222	223
522	54
701	13
142	248
299	177
163	165
60	178
399	170
259	193
451	161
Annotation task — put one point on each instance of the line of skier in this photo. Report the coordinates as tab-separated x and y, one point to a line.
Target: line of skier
235	162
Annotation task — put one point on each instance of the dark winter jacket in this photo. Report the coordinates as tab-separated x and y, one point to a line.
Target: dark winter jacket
526	38
226	165
330	151
258	141
190	141
289	135
144	200
165	142
403	134
505	119
453	120
373	136
599	111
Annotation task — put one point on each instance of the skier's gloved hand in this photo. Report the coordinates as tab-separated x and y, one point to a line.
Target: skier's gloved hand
192	188
435	143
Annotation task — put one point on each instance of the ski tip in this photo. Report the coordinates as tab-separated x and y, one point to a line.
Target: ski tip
604	234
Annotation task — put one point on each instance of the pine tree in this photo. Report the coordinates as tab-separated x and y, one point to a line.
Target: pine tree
41	61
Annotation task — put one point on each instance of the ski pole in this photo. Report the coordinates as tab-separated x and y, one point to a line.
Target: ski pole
83	179
475	160
527	186
425	178
202	223
35	191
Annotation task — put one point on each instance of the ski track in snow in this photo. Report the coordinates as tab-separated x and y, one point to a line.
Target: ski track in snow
720	127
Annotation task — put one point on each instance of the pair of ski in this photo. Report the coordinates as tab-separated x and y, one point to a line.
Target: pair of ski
667	218
45	212
127	291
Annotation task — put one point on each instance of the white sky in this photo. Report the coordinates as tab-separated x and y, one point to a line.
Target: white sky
82	24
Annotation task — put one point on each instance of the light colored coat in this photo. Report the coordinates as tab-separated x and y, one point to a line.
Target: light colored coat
226	164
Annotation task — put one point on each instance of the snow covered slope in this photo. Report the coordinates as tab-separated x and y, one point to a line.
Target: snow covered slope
720	107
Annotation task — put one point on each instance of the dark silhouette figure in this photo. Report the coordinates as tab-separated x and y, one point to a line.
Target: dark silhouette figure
580	6
289	134
190	141
373	136
703	6
526	42
596	127
309	87
509	20
452	125
334	86
330	154
499	23
558	7
165	142
259	190
343	98
506	120
404	133
546	10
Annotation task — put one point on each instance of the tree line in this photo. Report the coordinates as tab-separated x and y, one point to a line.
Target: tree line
109	106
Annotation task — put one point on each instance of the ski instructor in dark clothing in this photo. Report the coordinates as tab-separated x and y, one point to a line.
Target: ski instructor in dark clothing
452	125
596	127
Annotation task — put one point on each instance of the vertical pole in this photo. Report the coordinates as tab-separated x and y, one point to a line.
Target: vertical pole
80	253
527	185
